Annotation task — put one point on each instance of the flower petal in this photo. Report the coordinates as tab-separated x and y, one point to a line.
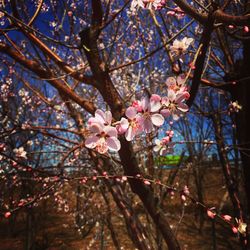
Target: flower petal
145	103
96	128
155	103
157	148
166	113
108	117
131	112
91	141
157	119
188	41
171	95
183	107
182	96
100	115
113	143
122	126
147	125
170	81
181	79
130	134
110	131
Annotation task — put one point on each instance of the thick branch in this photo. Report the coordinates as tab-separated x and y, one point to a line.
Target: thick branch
128	159
199	64
97	13
219	15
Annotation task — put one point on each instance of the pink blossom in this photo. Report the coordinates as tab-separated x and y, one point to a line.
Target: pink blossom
177	83
174	104
131	126
20	152
102	137
179	47
147	4
150	117
154	4
183	197
101	117
164	146
137	105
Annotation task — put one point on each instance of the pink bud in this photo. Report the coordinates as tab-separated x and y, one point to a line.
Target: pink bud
192	66
230	26
2	146
21	203
14	164
183	197
210	214
171	13
235	230
246	29
124	178
226	217
7	215
146	182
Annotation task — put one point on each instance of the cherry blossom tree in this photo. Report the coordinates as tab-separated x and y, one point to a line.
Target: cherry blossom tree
91	92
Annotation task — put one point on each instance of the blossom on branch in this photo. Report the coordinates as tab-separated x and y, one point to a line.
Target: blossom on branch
103	136
173	104
234	107
150	113
147	4
20	152
177	83
164	146
104	118
131	126
179	47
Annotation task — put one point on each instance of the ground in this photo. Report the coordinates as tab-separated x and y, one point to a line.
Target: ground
55	229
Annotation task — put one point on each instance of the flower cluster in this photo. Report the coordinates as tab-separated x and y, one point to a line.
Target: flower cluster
179	47
143	115
234	107
20	152
103	135
147	4
176	12
165	145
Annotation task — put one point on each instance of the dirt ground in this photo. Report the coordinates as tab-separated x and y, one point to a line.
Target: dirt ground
55	229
